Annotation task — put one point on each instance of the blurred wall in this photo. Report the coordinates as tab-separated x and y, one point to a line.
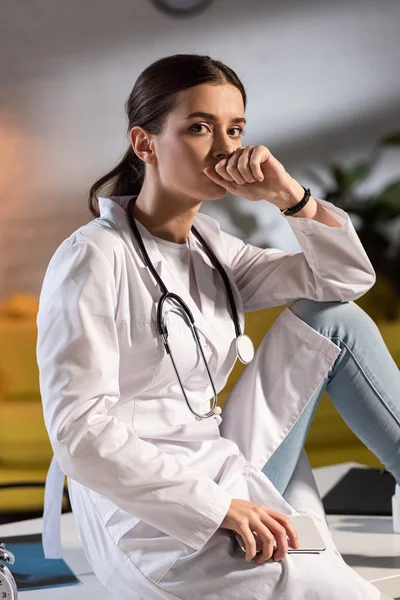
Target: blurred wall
322	80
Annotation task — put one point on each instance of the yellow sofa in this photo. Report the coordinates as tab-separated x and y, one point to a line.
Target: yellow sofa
25	451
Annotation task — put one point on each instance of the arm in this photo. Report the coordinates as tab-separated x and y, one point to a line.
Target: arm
333	265
78	359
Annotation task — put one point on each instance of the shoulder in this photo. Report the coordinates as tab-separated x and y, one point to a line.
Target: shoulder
97	240
83	263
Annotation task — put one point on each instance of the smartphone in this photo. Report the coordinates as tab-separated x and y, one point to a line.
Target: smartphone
310	539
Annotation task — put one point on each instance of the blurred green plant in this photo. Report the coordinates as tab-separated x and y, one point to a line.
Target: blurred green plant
374	212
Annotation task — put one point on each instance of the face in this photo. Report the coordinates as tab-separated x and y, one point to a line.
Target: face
189	144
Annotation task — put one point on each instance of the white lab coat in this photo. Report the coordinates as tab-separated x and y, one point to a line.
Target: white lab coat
149	483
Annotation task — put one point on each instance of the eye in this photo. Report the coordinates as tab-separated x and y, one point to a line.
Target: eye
196	125
241	131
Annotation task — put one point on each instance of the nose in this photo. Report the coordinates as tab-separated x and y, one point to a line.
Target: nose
224	146
223	154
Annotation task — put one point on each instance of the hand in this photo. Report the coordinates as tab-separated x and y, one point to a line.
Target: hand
245	517
255	174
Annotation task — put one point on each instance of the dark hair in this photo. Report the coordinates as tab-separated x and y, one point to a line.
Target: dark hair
154	96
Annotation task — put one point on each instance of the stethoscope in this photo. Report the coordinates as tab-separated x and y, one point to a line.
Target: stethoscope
244	345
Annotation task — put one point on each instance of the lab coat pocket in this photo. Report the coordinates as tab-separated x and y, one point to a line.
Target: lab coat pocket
151	550
119	523
115	520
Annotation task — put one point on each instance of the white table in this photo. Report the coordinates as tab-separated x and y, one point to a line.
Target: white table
367	544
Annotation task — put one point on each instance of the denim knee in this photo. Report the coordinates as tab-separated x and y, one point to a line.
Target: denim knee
325	315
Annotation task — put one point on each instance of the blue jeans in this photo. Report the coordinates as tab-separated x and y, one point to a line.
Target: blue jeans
363	384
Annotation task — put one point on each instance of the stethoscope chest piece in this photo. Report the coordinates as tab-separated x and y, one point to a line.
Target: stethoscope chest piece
244	348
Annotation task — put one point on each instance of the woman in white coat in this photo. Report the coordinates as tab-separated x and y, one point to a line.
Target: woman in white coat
157	492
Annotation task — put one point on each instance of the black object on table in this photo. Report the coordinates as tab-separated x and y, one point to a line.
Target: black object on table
361	492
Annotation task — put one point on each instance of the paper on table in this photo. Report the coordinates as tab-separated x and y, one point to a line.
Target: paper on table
31	569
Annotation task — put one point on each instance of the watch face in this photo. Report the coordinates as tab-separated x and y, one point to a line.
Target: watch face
182	8
6	586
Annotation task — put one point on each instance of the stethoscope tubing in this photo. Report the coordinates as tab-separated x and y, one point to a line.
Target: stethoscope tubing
162	329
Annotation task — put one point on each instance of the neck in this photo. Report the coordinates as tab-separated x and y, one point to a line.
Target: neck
164	214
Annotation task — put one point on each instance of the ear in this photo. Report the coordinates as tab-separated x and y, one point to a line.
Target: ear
142	144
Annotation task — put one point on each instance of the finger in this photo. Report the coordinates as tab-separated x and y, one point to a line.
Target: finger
249	542
271	526
243	165
281	540
266	542
221	169
256	157
287	524
232	169
216	177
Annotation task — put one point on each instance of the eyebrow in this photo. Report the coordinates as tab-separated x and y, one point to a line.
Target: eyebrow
214	118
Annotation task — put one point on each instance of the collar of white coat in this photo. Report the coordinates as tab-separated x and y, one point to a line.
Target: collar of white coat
115	207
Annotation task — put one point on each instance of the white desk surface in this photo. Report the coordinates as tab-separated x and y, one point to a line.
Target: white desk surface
367	544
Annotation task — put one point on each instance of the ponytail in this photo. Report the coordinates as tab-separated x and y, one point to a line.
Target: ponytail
123	180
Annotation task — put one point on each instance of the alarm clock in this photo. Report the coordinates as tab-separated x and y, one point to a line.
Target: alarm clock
8	587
